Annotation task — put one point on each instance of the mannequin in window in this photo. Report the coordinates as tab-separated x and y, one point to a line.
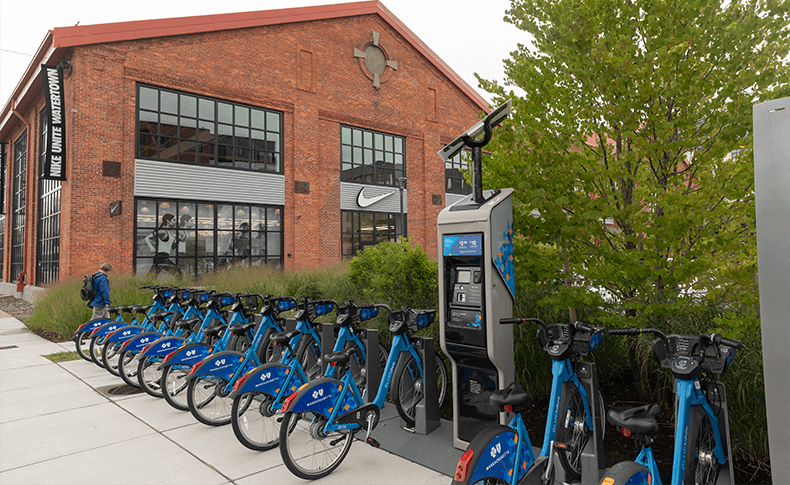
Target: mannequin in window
162	242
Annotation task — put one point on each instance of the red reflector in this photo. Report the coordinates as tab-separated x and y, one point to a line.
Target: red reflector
508	408
194	368
146	347
463	465
333	364
626	432
239	383
288	401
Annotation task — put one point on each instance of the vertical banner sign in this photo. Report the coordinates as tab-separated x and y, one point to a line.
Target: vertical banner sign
54	167
2	177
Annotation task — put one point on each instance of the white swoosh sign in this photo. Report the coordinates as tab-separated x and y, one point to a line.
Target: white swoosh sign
363	201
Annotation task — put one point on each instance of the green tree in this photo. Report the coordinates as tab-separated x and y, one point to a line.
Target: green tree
630	114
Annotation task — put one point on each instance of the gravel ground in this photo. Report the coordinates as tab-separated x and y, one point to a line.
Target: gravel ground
16	307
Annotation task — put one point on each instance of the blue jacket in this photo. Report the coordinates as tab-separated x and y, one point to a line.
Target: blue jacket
102	287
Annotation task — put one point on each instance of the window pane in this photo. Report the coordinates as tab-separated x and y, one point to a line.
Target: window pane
188	129
188	151
225	112
368	142
345	135
147	146
148	122
206	154
207	109
357	137
258	218
169	102
399	145
188	106
168	148
346	225
149	98
273	219
224	217
206	216
242	116
169	125
146	213
258	119
273	247
259	243
272	122
205	243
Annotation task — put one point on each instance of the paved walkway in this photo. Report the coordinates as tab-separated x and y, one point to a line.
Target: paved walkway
58	425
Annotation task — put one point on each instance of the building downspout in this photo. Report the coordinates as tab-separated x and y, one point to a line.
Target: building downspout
20	277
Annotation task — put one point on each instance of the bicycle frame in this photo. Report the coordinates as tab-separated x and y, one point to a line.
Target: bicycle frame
562	372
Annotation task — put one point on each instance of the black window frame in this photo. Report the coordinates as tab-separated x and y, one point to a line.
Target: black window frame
185	238
49	207
234	143
454	181
364	156
18	201
352	240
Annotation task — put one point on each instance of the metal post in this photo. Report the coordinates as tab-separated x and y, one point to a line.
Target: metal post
401	186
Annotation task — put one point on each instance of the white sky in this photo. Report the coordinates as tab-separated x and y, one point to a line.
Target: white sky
470	36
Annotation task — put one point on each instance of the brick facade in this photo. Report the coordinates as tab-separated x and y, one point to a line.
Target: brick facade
304	69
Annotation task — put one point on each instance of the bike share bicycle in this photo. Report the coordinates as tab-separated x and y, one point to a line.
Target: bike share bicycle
574	426
258	396
323	416
702	438
212	380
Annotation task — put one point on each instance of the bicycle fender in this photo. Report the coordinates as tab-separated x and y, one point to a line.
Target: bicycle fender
107	328
90	326
494	452
267	378
320	396
162	346
189	354
222	364
124	333
138	343
627	473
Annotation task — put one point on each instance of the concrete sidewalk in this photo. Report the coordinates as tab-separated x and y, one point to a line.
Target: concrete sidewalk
58	425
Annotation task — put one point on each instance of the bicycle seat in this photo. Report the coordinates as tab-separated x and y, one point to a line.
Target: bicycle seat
641	419
512	395
214	331
141	308
341	357
161	315
184	324
284	337
240	328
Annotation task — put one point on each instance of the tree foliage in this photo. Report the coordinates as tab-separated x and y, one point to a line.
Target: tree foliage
632	142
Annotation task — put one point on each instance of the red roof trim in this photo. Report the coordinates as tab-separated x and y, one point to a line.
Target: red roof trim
142	29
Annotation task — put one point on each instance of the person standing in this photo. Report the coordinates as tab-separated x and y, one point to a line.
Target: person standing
101	284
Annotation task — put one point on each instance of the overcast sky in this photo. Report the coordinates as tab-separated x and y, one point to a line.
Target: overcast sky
470	36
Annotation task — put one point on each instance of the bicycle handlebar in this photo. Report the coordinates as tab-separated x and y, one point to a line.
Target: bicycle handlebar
718	339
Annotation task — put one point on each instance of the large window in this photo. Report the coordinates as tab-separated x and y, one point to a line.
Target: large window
199	237
361	229
371	157
48	241
18	207
453	178
182	127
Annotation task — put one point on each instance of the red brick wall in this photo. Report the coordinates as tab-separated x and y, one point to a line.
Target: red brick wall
307	70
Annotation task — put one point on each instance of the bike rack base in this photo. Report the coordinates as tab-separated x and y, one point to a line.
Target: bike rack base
427	417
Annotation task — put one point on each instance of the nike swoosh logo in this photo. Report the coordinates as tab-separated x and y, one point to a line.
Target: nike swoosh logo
363	201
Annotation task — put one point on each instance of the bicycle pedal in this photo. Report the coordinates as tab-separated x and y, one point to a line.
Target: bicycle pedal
372	442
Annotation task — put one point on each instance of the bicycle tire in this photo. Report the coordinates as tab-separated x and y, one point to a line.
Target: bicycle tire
358	371
483	445
207	400
573	431
254	423
127	368
150	376
309	355
175	386
109	357
408	388
83	342
627	472
96	347
239	343
702	467
309	453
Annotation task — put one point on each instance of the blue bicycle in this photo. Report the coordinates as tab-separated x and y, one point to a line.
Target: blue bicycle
259	395
503	454
702	444
322	417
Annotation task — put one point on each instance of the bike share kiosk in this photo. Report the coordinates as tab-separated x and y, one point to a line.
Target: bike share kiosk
476	289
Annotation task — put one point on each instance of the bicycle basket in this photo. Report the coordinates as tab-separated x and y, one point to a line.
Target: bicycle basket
421	319
368	312
285	305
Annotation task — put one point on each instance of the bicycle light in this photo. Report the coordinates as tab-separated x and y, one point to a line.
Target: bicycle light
463	465
288	401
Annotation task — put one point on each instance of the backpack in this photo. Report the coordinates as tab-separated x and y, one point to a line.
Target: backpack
88	292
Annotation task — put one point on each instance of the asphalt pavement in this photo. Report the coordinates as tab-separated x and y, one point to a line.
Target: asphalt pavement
61	424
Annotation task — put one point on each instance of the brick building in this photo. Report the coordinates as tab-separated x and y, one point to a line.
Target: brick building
195	143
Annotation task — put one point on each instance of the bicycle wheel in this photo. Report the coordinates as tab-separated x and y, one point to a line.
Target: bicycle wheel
255	424
127	367
208	401
239	343
109	357
83	344
309	355
307	451
409	390
96	346
701	464
174	379
358	372
627	472
149	376
572	430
